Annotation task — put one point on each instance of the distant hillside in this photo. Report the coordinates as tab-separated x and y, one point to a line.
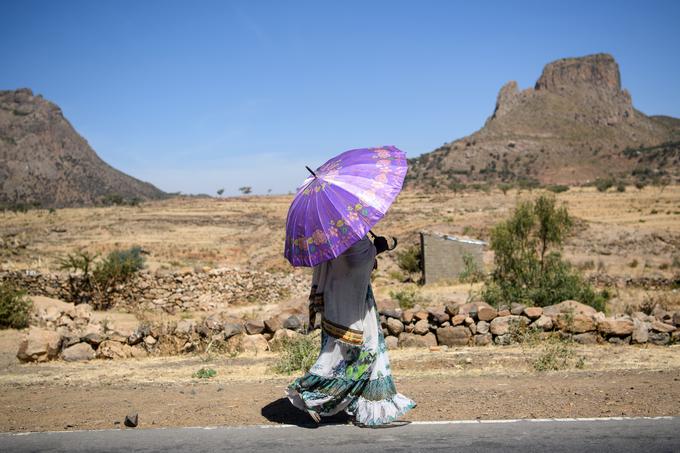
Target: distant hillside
575	125
45	162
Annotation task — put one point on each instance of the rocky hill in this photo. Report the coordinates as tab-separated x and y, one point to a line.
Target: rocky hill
575	125
45	162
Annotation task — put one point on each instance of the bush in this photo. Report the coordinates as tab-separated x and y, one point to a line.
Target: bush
557	188
95	279
407	298
603	184
14	308
410	260
529	267
297	354
471	272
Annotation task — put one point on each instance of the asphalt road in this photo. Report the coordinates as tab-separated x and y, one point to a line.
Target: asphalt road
660	434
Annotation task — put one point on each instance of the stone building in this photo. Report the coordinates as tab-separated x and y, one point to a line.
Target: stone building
442	255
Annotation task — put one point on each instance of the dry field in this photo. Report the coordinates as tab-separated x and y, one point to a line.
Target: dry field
631	234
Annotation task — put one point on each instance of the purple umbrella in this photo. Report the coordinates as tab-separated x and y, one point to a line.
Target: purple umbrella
341	201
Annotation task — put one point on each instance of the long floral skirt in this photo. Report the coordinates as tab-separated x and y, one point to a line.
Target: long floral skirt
353	378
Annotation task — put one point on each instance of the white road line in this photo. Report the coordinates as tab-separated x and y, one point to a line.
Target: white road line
433	422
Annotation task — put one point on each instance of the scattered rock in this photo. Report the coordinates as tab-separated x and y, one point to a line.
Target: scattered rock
586	338
78	352
486	313
659	338
131	420
619	327
39	345
574	322
533	312
516	309
254	327
292	323
421	327
409	340
273	324
483	339
453	335
394	326
229	329
543	322
502	325
254	343
659	326
111	349
391	342
482	327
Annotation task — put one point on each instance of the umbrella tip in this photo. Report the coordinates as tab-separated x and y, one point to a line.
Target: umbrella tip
310	170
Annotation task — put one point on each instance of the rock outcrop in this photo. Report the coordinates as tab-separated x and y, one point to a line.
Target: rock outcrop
576	124
45	162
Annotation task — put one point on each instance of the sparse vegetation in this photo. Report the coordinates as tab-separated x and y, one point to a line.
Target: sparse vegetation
471	271
15	307
407	297
245	190
409	260
528	264
298	353
205	373
92	280
557	188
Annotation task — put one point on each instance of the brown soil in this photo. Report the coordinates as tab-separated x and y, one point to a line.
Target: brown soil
460	383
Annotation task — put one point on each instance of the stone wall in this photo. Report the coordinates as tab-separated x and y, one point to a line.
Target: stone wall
443	256
185	289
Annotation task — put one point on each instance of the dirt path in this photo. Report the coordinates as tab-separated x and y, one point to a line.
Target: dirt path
462	383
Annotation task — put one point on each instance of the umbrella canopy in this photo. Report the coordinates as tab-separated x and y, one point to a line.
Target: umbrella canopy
341	201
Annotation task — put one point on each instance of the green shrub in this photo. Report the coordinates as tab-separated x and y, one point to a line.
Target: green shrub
410	260
557	188
93	279
205	373
297	354
528	264
407	297
603	184
14	308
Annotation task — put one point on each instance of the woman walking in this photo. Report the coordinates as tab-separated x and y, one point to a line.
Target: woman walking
352	372
326	229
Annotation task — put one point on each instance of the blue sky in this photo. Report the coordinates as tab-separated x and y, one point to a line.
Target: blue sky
201	95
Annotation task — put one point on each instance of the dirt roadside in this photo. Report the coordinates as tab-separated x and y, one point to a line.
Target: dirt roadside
461	383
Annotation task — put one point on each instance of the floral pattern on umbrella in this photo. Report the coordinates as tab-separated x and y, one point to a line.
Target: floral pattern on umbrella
344	199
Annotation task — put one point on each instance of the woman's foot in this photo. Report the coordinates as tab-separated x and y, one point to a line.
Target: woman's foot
315	416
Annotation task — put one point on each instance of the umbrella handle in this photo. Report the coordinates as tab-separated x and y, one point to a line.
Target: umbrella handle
311	171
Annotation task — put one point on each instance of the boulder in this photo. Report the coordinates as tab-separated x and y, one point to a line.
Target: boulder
422	327
574	323
586	338
502	325
78	352
451	310
659	338
483	339
394	326
254	343
482	327
458	320
659	326
543	322
39	345
568	306
485	313
453	335
409	340
408	315
93	334
213	322
185	326
391	313
421	315
292	322
616	326
438	315
391	342
254	327
229	329
533	312
83	311
111	349
49	309
517	309
640	333
273	324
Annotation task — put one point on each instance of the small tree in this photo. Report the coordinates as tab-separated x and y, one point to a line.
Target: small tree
220	192
529	267
245	190
410	260
14	307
